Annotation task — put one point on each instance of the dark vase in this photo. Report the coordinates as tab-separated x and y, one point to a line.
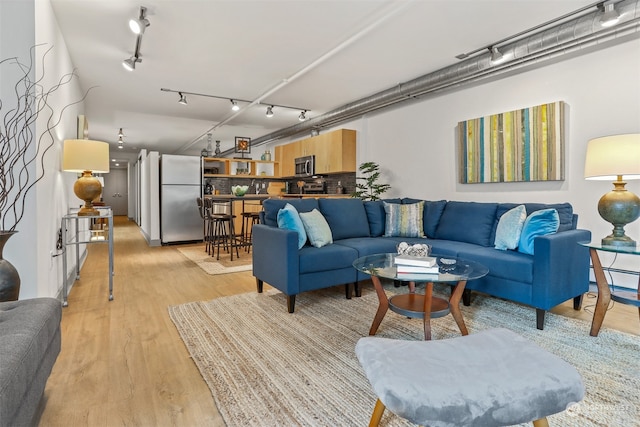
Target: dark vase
9	278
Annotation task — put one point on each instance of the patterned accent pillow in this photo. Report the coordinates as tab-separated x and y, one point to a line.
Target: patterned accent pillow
509	228
403	220
317	228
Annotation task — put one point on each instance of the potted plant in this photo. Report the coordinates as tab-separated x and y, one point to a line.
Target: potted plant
20	151
367	186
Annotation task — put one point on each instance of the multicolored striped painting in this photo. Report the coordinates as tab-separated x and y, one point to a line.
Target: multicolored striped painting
521	145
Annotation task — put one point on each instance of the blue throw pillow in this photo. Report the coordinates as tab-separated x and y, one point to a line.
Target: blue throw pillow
404	220
317	228
510	228
289	219
539	223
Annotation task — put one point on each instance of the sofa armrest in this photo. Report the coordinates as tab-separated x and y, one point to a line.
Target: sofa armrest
275	257
560	267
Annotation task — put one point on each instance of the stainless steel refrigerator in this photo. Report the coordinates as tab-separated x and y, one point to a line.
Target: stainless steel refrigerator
180	219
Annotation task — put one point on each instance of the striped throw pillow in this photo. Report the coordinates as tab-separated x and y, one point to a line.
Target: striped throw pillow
404	220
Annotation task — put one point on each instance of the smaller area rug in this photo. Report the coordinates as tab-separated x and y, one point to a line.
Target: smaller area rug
211	265
266	367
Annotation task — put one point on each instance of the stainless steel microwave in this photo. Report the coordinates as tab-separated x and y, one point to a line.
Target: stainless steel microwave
305	166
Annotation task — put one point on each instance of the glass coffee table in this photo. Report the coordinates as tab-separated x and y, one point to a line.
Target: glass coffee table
416	305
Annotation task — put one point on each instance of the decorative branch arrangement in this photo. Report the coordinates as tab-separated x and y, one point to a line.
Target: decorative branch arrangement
369	188
20	147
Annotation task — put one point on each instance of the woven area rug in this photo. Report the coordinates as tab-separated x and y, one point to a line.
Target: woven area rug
266	367
211	265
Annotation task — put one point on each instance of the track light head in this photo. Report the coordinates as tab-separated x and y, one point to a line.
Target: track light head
270	111
496	55
302	116
130	63
610	15
234	105
183	99
120	134
120	145
140	24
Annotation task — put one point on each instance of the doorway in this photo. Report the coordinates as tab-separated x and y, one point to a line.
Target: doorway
115	192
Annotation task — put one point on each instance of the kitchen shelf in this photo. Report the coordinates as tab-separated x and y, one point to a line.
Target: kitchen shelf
214	167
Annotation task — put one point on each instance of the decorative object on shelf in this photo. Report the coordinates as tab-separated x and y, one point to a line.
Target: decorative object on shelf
86	156
369	188
239	190
610	158
267	156
217	152
243	145
22	148
417	250
521	145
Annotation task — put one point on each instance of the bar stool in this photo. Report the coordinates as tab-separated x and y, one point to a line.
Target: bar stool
206	223
249	219
222	231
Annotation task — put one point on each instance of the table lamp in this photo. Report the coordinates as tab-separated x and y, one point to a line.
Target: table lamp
86	156
615	158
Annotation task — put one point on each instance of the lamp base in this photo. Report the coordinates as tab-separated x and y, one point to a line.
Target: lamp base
88	211
87	188
618	242
619	207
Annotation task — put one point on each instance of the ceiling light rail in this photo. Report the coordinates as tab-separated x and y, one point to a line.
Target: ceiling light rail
234	102
138	26
609	17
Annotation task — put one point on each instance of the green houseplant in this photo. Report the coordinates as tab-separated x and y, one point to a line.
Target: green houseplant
367	186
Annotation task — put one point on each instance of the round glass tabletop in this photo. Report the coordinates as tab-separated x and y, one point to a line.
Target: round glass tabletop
383	265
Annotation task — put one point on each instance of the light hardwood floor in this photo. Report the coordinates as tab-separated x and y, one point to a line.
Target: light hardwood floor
123	362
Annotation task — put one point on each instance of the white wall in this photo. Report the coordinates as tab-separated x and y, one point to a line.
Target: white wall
416	146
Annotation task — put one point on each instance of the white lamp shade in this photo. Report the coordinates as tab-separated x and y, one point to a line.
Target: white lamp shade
85	155
611	156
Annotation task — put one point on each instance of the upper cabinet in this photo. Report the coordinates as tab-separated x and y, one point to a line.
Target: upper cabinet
335	152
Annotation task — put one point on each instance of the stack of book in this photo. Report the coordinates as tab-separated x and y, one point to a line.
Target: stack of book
407	265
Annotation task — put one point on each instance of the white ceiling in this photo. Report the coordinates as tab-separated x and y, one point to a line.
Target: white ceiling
312	54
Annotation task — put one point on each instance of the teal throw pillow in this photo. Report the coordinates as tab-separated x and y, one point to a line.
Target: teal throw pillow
510	227
403	220
289	219
317	228
539	223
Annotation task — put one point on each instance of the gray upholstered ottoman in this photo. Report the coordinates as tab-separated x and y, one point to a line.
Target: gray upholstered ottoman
492	378
29	346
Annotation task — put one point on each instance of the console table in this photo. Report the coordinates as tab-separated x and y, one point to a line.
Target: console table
88	229
605	295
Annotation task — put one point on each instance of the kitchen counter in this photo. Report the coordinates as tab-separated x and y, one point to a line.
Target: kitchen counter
315	196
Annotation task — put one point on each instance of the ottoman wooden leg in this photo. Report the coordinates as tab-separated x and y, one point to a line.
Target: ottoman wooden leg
542	422
378	410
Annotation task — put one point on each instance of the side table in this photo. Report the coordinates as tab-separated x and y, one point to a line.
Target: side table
604	293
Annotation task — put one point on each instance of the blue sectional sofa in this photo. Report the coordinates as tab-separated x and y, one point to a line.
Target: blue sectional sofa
558	269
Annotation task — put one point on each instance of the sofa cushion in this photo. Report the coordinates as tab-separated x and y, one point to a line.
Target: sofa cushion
432	213
272	206
369	245
346	217
509	228
539	223
511	265
327	258
376	217
289	219
469	222
317	228
404	220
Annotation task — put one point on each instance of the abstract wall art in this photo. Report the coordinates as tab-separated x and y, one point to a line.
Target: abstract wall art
517	146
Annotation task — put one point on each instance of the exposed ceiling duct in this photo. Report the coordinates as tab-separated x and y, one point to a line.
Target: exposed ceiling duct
552	43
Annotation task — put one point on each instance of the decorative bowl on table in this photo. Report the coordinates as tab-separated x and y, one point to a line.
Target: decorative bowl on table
419	250
239	190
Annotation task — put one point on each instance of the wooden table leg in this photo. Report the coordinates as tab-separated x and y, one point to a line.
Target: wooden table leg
383	305
454	306
428	296
604	294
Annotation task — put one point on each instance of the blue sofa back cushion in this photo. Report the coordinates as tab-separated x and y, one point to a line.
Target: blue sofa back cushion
432	213
272	206
346	217
469	222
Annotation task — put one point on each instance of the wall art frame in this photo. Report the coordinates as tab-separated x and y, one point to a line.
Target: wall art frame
243	145
517	146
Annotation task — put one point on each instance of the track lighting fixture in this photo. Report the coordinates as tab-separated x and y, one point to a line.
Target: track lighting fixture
120	146
610	15
496	55
120	134
130	64
235	101
138	25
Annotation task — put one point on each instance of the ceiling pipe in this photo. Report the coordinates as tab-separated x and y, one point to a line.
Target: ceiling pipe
555	42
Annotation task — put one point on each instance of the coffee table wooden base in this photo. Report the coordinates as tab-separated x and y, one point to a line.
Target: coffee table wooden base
419	306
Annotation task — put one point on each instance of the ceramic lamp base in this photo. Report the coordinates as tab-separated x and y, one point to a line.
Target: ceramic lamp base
87	188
